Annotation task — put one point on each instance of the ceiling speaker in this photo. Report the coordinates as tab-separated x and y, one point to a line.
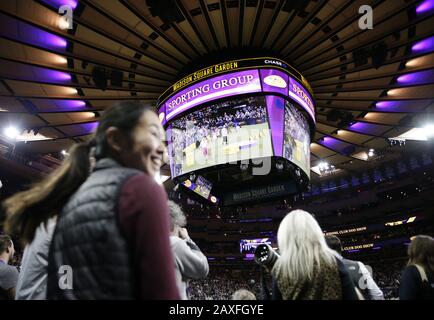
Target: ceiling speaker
360	57
99	77
167	10
116	77
298	5
379	54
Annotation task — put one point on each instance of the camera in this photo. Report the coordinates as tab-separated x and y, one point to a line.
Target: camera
266	256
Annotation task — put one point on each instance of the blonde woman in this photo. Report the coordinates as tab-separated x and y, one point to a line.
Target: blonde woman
307	268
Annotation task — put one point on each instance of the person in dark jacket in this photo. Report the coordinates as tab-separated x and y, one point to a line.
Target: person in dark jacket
307	268
111	239
360	275
417	279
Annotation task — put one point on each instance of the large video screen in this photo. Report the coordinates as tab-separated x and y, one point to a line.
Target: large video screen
296	143
225	132
203	187
248	246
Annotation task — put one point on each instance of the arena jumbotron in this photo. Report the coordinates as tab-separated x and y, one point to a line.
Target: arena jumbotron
216	150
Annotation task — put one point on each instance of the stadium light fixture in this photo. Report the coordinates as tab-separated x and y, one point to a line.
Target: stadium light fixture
60	60
425	6
323	168
417	62
429	130
323	165
424	133
425	45
11	132
72	91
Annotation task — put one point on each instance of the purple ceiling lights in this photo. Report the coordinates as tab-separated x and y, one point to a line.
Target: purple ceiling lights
425	45
425	7
418	77
58	3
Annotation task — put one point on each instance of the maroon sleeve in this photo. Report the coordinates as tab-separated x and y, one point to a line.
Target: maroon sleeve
144	219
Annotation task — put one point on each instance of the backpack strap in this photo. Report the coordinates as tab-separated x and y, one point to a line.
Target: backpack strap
422	273
359	294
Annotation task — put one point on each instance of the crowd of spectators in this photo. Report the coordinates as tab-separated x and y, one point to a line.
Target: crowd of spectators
222	282
228	113
387	274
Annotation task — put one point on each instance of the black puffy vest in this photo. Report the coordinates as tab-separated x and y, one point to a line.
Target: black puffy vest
88	238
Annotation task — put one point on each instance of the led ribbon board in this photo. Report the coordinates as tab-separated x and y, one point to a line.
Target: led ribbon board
227	85
230	66
273	78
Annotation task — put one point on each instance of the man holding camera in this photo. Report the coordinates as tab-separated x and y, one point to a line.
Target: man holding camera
190	262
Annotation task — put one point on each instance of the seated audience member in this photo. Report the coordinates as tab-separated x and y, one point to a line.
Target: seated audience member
243	294
190	262
417	280
112	228
307	268
8	274
360	275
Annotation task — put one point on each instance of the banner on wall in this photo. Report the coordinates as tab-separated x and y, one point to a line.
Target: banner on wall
259	193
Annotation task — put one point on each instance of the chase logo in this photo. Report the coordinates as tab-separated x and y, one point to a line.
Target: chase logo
276	63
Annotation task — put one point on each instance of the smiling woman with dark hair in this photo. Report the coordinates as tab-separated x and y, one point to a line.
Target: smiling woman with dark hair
112	227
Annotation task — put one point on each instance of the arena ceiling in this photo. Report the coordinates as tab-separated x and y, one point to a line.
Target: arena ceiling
369	85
